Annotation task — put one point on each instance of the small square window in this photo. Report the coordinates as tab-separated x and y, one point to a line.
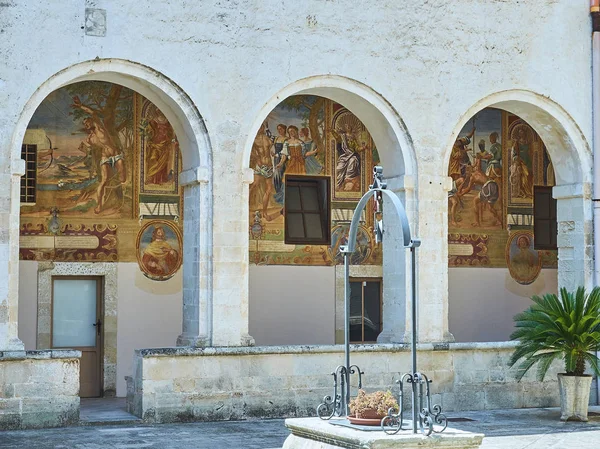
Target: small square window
307	210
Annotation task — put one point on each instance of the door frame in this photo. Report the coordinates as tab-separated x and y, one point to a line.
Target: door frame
108	270
99	315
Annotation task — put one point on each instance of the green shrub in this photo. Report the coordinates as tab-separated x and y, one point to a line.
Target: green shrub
565	327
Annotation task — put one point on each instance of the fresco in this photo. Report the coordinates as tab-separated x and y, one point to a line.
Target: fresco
107	161
309	135
84	168
495	162
159	249
524	263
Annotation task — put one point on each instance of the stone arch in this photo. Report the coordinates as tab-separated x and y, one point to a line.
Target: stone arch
196	179
379	116
565	141
572	160
398	158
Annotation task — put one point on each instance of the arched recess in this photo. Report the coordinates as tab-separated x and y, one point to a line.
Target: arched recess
398	158
572	161
196	177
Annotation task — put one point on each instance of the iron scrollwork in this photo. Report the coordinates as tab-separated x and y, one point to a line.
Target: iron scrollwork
431	418
337	404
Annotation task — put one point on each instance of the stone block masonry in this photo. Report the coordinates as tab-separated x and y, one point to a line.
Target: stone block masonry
195	384
39	388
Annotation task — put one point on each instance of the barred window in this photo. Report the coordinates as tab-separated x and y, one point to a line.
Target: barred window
29	179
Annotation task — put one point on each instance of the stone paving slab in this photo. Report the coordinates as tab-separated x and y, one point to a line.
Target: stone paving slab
503	429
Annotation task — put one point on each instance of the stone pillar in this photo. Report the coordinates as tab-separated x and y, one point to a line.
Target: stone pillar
432	259
197	258
10	179
575	235
396	264
230	272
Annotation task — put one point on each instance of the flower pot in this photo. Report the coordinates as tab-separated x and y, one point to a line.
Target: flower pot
574	397
367	417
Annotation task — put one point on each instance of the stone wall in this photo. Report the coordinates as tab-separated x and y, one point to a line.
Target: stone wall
39	388
183	384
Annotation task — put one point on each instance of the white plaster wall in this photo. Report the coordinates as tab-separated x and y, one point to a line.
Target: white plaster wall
28	274
292	305
483	301
431	61
149	314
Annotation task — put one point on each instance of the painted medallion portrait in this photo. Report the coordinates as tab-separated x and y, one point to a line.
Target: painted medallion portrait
159	250
524	263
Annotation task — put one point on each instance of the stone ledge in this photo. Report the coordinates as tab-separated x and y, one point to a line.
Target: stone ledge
186	351
43	354
315	433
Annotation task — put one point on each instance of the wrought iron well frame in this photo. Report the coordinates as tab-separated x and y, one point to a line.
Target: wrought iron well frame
424	415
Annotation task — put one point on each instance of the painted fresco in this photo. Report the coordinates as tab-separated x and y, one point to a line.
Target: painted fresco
85	143
159	249
310	135
107	161
524	263
496	161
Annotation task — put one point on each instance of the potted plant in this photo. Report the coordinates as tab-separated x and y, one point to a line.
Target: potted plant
566	328
370	408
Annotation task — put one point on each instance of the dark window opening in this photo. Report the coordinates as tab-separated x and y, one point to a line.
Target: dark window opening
29	179
307	210
544	218
365	310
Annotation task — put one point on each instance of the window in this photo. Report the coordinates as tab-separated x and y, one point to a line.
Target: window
365	310
28	180
307	210
544	218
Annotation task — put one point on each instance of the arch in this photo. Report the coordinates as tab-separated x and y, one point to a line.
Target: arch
195	178
572	159
375	112
156	87
564	140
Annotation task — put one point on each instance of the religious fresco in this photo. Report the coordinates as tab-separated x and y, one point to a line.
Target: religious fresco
310	135
107	161
524	263
496	161
159	249
85	136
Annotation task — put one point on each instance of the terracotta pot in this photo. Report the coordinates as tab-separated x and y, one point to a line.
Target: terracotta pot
574	397
369	413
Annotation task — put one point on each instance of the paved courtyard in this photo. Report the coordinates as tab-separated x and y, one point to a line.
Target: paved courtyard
504	429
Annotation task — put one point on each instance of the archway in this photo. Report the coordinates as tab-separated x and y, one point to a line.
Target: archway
543	155
368	115
173	126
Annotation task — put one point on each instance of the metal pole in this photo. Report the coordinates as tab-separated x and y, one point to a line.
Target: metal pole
347	328
413	253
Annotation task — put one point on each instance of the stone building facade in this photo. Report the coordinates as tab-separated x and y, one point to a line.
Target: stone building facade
413	74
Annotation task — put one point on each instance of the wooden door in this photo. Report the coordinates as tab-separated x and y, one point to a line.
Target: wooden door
76	324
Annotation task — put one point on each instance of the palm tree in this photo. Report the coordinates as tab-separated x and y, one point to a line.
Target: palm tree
565	327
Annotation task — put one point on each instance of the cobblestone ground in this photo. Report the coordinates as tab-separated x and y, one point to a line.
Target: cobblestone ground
504	429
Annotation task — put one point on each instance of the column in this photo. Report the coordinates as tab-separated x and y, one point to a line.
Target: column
230	260
432	259
575	235
9	254
396	264
197	257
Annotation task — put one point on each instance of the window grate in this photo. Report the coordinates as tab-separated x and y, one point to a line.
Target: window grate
29	179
